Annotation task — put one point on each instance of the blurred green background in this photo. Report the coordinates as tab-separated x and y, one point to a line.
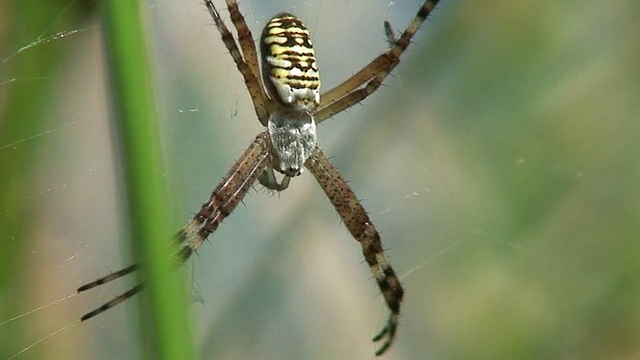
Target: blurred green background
501	163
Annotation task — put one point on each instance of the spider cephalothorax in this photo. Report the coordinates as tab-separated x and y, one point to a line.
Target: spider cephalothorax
288	103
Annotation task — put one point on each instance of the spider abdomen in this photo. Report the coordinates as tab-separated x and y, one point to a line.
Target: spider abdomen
289	67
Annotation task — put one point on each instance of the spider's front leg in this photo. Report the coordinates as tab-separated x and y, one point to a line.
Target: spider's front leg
222	201
368	79
361	228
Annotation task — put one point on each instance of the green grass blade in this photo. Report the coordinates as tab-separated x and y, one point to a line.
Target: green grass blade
135	116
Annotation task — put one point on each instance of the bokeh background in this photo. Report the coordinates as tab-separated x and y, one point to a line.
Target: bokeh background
501	163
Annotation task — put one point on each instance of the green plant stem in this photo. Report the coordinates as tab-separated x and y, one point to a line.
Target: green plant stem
135	117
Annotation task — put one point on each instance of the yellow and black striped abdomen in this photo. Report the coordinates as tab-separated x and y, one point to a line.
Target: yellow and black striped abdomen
289	68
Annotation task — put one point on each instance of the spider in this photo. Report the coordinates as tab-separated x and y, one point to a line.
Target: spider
288	103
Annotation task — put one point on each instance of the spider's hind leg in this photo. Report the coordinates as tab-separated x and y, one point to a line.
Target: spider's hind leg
268	179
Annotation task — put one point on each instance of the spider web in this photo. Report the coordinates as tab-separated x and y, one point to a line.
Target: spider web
506	204
75	236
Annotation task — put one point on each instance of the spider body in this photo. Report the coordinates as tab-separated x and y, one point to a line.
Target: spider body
288	103
290	76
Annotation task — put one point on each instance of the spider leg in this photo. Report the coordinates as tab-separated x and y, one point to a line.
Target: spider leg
221	203
113	302
350	91
248	66
361	228
245	38
227	195
238	179
108	278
